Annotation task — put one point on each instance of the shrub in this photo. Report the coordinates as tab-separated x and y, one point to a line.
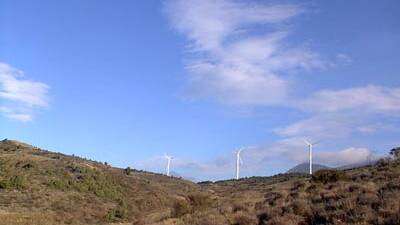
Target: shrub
119	213
15	182
57	184
395	152
200	201
128	170
242	218
384	162
271	197
328	176
181	207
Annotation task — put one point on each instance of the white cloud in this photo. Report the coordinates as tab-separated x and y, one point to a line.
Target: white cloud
208	23
229	59
20	117
342	113
369	99
343	157
15	115
292	151
344	59
21	96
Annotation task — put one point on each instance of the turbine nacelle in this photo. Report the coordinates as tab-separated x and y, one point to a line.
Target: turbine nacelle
168	157
309	143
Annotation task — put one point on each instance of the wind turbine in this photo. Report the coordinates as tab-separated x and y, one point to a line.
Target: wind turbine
238	163
310	148
169	158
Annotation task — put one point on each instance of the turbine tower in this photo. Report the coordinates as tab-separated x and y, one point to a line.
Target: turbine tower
238	163
169	158
310	148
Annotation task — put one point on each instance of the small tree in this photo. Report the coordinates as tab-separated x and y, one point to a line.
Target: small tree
395	153
128	170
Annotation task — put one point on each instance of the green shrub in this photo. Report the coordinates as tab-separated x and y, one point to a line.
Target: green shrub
128	170
119	213
58	184
15	182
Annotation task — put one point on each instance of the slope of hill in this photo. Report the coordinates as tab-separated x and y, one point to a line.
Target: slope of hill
305	168
366	195
38	187
41	187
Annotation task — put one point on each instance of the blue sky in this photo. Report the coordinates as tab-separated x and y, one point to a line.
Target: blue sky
127	82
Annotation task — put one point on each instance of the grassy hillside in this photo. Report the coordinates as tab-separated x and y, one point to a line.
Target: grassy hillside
45	188
41	187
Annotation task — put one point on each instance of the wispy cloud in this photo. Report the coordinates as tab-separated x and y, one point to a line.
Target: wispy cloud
341	113
371	98
238	52
21	96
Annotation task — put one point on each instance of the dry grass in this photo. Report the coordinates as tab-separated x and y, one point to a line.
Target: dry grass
46	188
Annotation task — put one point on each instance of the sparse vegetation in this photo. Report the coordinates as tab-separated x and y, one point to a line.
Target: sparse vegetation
42	187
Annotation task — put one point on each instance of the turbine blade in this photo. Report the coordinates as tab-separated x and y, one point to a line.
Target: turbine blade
317	142
307	142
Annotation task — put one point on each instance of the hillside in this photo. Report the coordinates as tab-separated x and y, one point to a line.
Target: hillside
305	168
39	187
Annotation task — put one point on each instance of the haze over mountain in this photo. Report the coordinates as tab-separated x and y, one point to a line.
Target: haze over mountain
305	168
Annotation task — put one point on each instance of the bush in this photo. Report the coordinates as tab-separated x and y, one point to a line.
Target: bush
272	197
128	170
15	182
395	152
119	213
328	176
384	162
181	207
58	184
201	201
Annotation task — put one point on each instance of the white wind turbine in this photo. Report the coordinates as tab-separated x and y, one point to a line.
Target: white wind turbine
169	158
310	149
238	163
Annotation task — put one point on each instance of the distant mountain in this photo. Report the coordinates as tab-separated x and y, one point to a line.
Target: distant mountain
305	168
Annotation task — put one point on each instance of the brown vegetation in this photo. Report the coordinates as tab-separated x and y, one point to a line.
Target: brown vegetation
42	187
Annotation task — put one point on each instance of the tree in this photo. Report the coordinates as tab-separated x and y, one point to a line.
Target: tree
128	170
395	153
